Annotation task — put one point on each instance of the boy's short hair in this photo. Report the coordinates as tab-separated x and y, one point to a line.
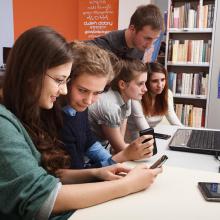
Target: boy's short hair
90	59
147	15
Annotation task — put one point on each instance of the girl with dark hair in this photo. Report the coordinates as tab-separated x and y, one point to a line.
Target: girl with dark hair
37	72
156	103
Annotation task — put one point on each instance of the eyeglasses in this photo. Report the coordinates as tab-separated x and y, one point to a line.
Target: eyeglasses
58	81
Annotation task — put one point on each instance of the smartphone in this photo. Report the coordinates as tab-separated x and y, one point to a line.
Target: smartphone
210	191
159	162
162	136
151	132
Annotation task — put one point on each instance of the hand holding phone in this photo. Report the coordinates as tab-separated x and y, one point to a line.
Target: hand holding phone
151	132
159	162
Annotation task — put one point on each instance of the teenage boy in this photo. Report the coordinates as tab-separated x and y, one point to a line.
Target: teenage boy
91	72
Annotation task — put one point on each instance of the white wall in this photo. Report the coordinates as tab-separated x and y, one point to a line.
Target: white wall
6	25
162	4
126	9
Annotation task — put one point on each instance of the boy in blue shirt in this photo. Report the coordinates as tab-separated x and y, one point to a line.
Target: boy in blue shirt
91	71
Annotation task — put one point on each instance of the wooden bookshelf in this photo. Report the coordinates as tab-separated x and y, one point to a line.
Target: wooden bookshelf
189	56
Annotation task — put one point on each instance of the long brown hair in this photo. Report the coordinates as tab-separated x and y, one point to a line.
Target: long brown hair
161	100
34	52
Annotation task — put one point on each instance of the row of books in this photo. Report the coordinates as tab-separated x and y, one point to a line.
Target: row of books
192	15
188	83
193	51
190	115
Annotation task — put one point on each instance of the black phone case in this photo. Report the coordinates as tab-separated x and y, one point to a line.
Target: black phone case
151	132
162	136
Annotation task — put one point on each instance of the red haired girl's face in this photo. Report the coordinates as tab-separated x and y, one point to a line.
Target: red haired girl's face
157	83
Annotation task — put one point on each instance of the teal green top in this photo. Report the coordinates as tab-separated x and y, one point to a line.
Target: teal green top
24	184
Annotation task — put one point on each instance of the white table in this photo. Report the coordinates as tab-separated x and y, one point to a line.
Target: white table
173	196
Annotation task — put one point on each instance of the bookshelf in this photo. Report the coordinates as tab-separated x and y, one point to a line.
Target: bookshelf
191	30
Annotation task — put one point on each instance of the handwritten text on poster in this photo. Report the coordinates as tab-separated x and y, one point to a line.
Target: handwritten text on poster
97	17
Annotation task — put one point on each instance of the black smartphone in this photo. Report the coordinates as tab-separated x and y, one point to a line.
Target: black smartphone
159	162
151	132
162	136
210	191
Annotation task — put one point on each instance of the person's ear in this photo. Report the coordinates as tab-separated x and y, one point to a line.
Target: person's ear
122	84
132	28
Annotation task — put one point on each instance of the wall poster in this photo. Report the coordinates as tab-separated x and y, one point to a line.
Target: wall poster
97	17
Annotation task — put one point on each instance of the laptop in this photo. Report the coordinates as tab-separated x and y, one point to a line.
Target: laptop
196	141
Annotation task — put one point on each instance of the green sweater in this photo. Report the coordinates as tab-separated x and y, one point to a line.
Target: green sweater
24	184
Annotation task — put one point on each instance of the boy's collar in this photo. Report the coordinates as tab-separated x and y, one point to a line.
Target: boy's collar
69	110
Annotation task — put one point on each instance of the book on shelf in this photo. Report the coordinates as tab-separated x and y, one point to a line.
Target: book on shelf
194	51
179	83
188	84
190	115
192	15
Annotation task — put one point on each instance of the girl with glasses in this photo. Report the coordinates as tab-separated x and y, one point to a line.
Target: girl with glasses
31	152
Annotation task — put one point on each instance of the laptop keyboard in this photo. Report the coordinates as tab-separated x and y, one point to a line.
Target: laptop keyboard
204	139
